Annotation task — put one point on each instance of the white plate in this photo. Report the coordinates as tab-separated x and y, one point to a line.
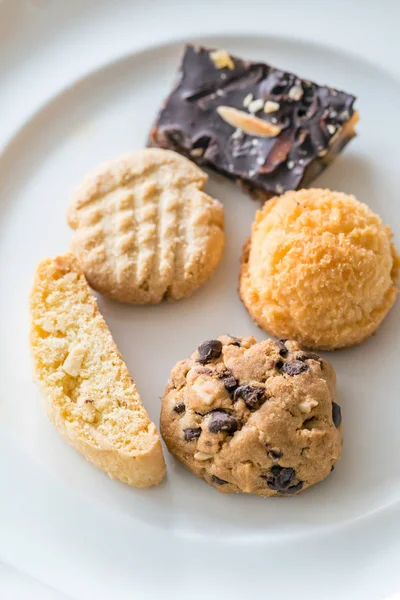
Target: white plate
116	540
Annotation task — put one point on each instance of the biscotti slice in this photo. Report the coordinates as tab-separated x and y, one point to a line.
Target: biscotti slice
89	394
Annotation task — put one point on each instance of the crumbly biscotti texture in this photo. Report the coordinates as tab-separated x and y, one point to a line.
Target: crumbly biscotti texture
89	395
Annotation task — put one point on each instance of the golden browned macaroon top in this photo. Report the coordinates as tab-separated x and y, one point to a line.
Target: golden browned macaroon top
320	268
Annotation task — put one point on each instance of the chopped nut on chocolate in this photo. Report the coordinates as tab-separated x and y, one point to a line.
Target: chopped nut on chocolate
237	134
295	93
197	152
271	106
256	105
221	59
248	99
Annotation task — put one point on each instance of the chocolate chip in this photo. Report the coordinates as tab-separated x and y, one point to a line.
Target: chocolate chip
221	421
179	408
252	396
283	475
275	454
292	489
191	434
280	479
229	380
236	341
230	383
308	356
336	414
209	350
218	481
279	364
332	468
282	347
294	367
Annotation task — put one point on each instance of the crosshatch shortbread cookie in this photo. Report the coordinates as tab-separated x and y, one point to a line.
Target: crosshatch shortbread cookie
145	230
252	417
320	267
89	395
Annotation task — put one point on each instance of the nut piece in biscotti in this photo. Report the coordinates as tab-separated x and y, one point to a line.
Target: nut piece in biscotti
251	417
89	396
319	268
144	229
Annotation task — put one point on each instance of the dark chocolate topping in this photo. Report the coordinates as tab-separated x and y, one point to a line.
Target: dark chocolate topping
308	115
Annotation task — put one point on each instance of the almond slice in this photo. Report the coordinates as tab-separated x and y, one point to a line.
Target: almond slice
248	123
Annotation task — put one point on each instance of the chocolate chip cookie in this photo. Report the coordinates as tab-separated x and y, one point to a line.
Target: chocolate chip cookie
252	417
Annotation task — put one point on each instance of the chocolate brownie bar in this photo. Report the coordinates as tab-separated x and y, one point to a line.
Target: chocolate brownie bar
265	128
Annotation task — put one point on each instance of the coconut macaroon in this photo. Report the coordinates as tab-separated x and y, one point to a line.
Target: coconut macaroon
320	268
